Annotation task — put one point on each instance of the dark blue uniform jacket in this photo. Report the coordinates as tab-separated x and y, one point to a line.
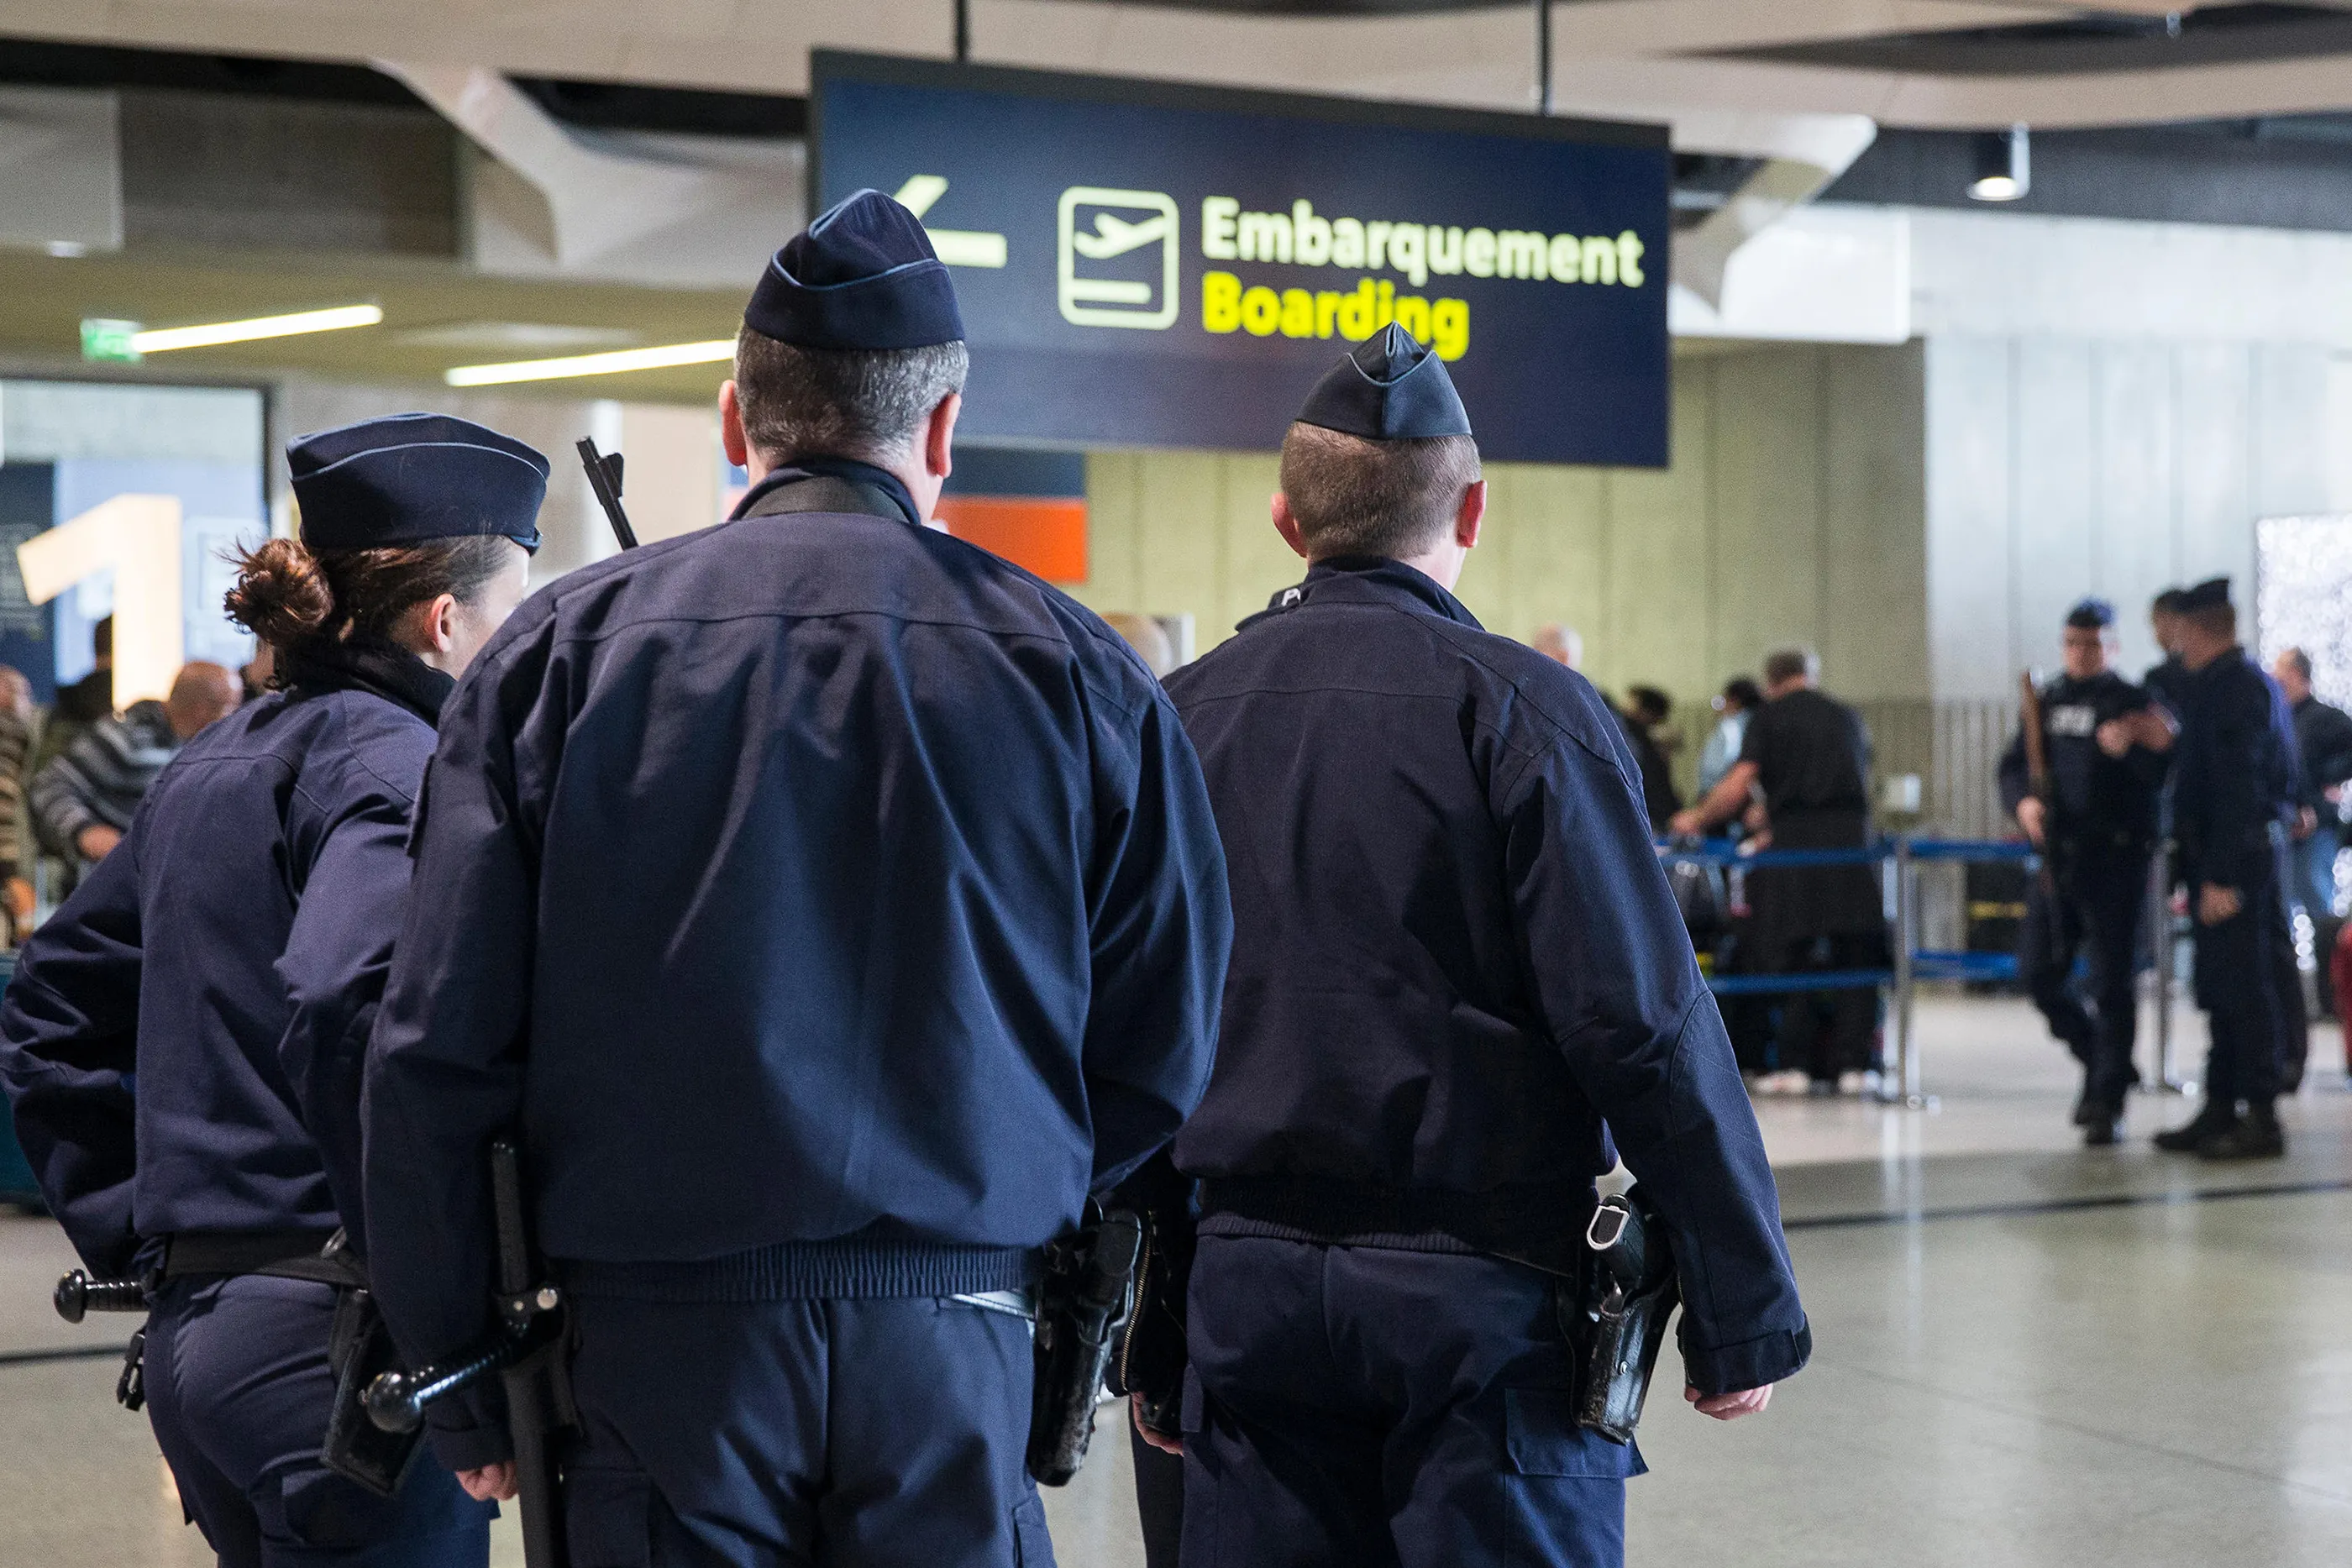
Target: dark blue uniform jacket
227	958
2236	769
2111	801
827	900
1455	956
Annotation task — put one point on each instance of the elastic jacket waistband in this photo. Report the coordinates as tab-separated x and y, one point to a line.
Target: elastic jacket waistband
1363	1214
803	1271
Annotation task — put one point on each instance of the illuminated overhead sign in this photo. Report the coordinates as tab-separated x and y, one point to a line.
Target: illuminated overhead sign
1146	264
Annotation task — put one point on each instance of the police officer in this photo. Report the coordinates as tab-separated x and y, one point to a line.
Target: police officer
2107	746
1455	956
837	906
231	954
2237	781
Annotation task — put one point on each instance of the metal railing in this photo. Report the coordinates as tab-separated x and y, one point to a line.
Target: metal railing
1901	1079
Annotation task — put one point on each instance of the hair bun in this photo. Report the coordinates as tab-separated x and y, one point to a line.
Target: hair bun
281	596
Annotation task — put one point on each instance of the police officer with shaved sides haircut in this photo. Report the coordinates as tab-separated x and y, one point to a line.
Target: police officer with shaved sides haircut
230	954
1460	988
837	906
2237	781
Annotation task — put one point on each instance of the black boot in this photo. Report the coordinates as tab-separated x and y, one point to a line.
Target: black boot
2104	1127
2256	1135
2188	1138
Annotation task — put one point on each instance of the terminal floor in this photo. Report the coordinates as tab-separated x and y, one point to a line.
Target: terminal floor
2026	1353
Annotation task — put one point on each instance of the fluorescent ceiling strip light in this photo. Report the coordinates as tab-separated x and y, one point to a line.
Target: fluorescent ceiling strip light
605	364
162	340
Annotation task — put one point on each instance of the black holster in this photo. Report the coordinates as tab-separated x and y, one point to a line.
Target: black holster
356	1447
1152	1354
1088	1297
1616	1319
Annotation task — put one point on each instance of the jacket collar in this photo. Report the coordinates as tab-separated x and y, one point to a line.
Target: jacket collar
888	497
380	669
1369	579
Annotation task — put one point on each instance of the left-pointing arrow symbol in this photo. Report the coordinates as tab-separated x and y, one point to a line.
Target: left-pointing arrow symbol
957	248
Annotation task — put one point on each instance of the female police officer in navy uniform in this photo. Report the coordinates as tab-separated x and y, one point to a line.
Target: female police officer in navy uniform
230	954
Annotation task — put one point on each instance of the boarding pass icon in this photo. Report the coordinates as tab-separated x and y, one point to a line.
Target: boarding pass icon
1117	258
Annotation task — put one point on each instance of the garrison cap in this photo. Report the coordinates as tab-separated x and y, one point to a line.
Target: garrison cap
2092	615
2168	601
2213	593
1390	389
409	478
862	276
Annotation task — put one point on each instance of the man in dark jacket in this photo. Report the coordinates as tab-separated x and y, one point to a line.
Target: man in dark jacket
833	906
2323	733
1455	959
1808	756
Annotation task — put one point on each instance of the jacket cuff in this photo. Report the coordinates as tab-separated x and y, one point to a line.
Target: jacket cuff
470	1447
1753	1364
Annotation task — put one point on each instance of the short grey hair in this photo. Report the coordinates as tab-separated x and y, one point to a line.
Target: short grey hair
1355	496
1791	664
866	404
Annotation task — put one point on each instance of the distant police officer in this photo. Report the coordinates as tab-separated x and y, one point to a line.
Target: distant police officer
2237	781
231	954
839	906
2107	746
1455	956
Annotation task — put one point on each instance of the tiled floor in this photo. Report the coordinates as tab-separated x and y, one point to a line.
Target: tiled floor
2027	1353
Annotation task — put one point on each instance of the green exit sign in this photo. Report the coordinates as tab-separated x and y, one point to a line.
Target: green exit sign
111	340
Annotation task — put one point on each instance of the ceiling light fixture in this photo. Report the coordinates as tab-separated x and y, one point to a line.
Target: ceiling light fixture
655	358
163	340
2004	165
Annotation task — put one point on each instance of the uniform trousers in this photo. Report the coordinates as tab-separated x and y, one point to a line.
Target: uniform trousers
1352	1407
2095	909
2240	963
877	1433
239	1388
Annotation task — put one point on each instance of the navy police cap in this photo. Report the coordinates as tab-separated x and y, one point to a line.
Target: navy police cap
2213	593
411	478
1390	389
2093	614
863	277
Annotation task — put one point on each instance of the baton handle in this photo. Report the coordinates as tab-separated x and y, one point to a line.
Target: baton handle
396	1400
78	1293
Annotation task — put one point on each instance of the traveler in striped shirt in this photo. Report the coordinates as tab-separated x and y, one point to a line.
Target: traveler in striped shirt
84	799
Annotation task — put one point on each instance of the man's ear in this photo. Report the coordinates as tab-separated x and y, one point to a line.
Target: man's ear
731	427
939	436
1287	524
1471	515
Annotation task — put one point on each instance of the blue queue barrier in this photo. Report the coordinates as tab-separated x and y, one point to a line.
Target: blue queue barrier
1901	1081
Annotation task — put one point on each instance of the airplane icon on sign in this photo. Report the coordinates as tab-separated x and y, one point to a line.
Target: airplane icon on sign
1114	236
957	248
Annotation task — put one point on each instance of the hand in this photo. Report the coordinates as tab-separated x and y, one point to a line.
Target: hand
2154	728
18	895
491	1483
2306	822
1686	824
1730	1407
2031	815
1151	1438
2116	736
95	841
2216	903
